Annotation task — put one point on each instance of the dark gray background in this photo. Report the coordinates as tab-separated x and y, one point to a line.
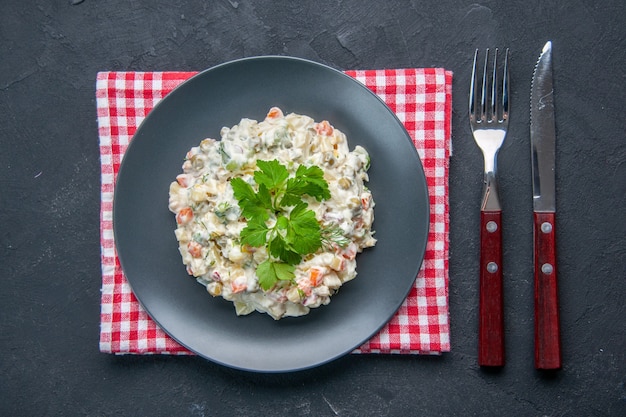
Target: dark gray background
50	52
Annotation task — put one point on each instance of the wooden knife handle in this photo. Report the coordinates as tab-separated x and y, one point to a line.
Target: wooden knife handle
491	305
547	333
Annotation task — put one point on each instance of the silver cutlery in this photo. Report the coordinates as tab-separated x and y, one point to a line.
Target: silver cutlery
542	140
489	119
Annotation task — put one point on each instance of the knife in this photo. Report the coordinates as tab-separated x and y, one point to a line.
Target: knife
542	140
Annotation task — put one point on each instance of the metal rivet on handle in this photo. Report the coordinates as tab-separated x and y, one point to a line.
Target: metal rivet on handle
546	227
491	226
547	269
492	267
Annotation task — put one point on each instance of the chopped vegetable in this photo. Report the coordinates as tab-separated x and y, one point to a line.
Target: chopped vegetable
184	216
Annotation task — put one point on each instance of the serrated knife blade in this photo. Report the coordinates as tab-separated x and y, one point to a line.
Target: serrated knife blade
542	133
543	146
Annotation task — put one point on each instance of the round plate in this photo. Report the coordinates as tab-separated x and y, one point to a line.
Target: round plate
144	228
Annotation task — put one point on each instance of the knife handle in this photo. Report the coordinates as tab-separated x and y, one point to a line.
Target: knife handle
547	334
491	305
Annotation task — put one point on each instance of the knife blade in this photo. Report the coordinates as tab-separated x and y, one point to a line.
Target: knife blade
543	145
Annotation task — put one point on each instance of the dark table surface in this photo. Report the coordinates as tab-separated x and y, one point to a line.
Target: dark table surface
50	53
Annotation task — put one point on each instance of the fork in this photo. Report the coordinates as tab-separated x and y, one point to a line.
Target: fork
489	119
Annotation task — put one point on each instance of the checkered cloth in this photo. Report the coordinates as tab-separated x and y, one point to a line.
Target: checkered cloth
422	100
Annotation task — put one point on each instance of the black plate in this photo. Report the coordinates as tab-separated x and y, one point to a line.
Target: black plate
144	228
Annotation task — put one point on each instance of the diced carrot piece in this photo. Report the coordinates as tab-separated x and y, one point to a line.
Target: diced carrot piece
239	285
324	128
274	113
195	249
184	216
182	180
365	202
349	252
316	276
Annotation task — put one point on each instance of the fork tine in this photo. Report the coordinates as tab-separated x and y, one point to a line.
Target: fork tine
472	95
494	110
505	87
483	101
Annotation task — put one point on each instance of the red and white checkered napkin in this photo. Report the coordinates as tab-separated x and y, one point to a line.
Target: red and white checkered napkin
422	99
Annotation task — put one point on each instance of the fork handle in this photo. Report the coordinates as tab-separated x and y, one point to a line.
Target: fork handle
491	305
547	334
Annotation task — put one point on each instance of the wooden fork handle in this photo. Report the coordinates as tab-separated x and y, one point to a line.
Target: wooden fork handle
547	334
491	305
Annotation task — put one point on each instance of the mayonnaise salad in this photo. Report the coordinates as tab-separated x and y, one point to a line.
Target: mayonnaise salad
210	221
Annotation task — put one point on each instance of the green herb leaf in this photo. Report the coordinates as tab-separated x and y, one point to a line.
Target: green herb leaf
252	205
266	274
264	197
314	177
269	273
309	181
255	233
281	249
284	272
272	174
305	237
282	222
242	190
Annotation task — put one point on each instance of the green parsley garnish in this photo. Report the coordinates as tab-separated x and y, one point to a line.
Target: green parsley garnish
278	218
